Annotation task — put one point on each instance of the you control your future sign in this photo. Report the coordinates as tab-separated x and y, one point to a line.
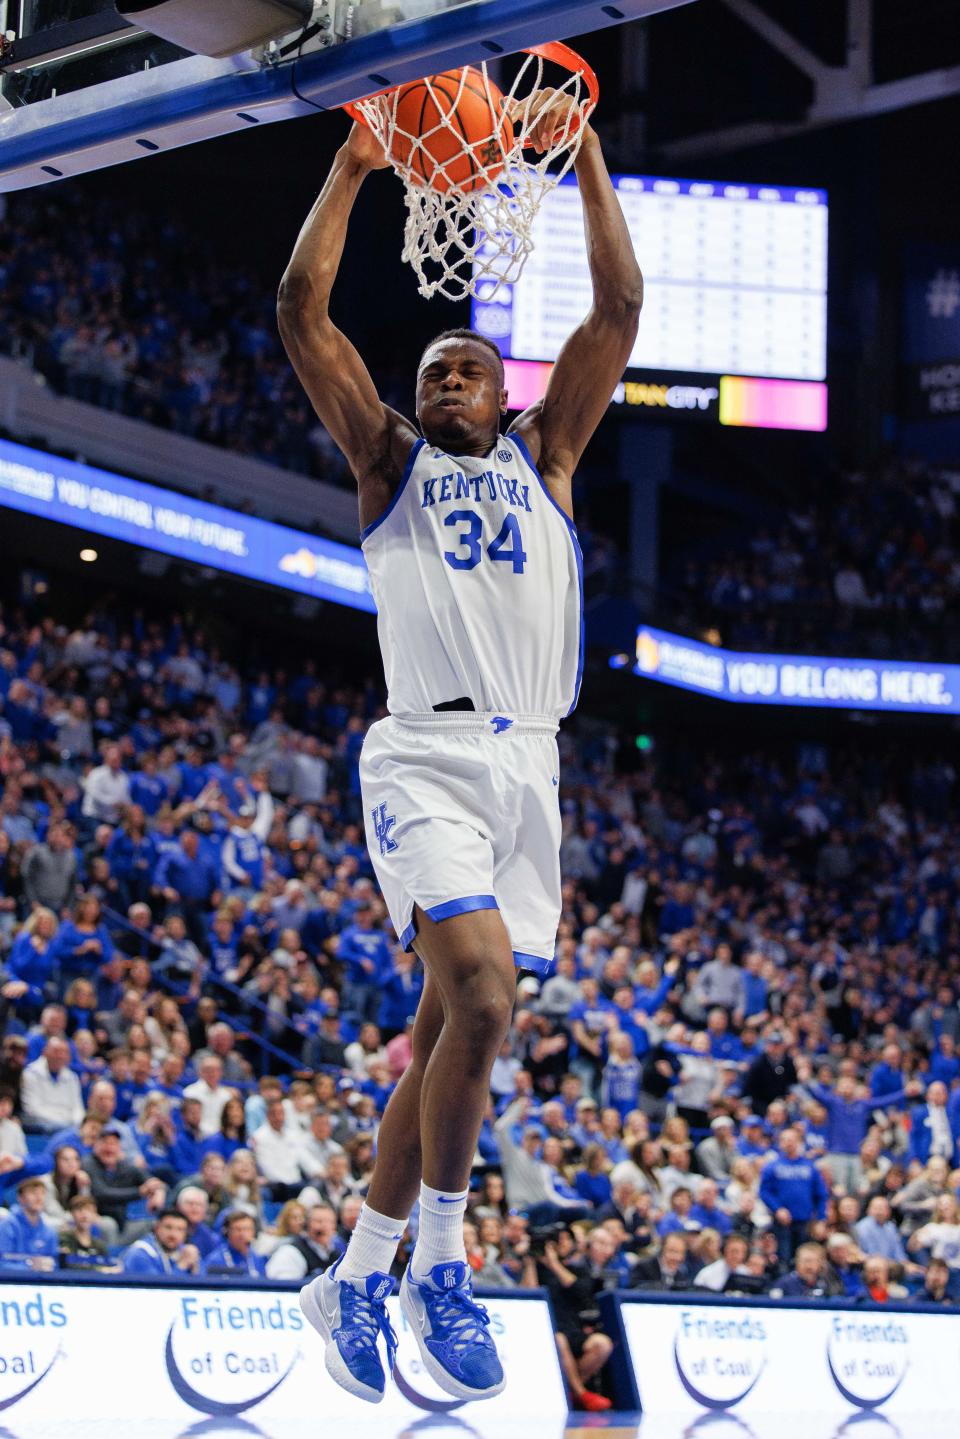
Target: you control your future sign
100	502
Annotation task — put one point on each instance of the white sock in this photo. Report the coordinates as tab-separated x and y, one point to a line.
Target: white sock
440	1240
373	1246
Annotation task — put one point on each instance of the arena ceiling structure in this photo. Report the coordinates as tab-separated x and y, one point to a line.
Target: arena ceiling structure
85	84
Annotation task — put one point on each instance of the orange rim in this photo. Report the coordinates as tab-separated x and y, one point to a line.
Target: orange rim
554	50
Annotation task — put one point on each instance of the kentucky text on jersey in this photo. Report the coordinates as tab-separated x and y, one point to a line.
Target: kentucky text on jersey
442	489
478	579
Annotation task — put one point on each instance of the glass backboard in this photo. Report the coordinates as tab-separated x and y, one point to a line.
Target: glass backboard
84	86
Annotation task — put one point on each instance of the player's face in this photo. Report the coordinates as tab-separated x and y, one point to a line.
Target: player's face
459	396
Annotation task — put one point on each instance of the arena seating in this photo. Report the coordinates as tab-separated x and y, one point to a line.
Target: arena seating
751	1034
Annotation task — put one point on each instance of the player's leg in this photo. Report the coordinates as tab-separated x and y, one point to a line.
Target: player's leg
470	958
346	1303
396	1178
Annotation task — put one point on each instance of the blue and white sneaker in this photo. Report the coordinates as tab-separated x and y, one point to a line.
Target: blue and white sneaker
453	1332
351	1320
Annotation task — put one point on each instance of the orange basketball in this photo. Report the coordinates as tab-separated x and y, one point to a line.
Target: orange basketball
470	148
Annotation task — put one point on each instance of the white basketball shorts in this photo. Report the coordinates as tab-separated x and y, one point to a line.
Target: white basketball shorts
462	813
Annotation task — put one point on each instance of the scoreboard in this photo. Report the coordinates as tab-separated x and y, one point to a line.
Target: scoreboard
735	290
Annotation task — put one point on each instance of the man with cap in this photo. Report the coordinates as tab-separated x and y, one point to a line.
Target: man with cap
235	1256
716	1154
27	1241
115	1184
162	1251
586	1127
243	855
772	1075
754	1141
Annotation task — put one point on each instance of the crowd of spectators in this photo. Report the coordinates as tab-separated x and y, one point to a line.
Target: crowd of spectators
148	320
743	1076
865	563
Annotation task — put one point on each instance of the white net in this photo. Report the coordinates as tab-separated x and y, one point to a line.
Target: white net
471	203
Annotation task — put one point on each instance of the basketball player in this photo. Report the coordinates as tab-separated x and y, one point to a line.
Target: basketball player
476	569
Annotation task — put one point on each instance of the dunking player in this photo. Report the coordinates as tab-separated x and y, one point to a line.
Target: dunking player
476	570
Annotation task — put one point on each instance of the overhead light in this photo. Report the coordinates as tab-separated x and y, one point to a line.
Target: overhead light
88	556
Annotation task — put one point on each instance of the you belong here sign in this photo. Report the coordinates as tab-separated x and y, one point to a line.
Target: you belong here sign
813	680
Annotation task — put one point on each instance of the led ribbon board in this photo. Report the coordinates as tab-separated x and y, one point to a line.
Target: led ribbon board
102	503
895	685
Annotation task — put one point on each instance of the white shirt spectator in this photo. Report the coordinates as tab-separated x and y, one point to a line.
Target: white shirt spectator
11	1139
504	1075
288	1262
278	1154
314	1154
558	996
719	983
308	776
50	1101
359	1059
212	1101
943	1241
672	1178
942	1141
714	1276
185	670
105	793
849	588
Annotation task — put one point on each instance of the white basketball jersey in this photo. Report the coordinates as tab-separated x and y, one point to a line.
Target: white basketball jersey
478	578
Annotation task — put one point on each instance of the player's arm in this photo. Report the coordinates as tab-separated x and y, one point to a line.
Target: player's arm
556	429
374	438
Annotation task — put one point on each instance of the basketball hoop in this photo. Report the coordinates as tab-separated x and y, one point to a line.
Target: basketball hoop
472	198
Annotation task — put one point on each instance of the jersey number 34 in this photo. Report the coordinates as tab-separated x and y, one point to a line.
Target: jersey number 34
468	553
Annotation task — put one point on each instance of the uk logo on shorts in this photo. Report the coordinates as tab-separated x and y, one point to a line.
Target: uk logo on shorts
500	723
382	825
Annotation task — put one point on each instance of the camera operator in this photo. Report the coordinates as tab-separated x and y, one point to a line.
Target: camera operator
574	1280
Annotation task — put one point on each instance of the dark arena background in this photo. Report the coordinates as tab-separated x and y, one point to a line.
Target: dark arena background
717	1189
